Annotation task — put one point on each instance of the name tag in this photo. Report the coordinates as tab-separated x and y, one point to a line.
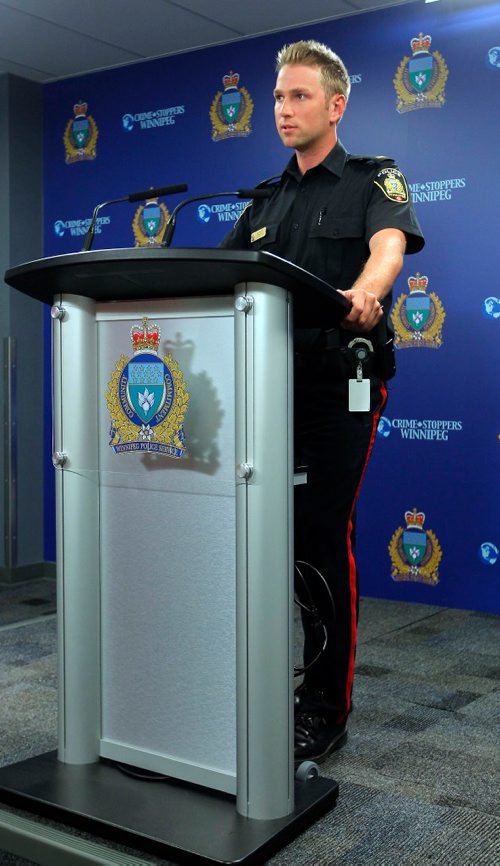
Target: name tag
359	395
260	233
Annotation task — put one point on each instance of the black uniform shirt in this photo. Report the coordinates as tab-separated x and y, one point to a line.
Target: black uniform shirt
323	220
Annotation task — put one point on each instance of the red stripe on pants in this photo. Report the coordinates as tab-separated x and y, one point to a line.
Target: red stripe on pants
352	562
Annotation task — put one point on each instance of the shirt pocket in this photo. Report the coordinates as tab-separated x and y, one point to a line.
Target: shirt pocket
340	247
336	228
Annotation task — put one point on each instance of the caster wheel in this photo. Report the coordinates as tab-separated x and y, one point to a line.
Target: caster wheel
306	771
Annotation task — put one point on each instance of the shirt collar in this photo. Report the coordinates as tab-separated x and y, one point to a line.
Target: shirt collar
333	162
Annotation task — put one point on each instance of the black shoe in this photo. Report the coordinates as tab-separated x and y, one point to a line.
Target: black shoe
306	696
297	697
314	700
316	737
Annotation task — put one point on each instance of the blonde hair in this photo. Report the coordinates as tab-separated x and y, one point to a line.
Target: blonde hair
334	77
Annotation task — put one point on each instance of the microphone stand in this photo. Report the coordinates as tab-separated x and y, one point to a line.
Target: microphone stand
240	193
143	195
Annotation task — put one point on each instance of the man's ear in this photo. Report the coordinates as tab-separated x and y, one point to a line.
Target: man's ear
337	107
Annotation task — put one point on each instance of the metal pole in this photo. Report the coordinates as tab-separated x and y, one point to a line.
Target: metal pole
264	491
77	509
10	452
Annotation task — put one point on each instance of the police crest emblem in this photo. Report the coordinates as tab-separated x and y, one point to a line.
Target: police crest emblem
415	553
419	81
231	110
147	398
149	223
418	318
393	184
80	135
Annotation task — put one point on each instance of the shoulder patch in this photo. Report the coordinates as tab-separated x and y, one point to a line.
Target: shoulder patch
393	184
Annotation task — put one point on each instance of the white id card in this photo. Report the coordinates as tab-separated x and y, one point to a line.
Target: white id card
359	395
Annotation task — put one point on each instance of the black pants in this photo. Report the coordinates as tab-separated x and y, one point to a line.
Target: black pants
335	445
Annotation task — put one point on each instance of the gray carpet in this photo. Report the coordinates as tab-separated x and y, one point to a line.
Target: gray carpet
23	601
420	774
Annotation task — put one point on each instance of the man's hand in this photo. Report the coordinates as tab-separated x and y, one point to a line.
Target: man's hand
366	310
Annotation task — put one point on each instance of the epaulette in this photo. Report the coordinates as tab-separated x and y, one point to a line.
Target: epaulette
274	180
377	160
269	181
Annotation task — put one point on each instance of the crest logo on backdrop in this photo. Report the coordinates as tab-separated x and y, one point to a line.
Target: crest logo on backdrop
415	553
149	223
493	57
418	317
420	80
231	110
488	553
147	398
80	135
491	307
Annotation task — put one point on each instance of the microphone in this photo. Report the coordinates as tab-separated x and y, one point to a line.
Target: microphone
143	195
168	234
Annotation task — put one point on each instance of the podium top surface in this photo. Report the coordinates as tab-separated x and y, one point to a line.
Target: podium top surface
134	274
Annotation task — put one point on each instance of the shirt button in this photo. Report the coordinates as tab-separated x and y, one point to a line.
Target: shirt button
295	226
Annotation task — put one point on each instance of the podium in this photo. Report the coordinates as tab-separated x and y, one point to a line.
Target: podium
173	448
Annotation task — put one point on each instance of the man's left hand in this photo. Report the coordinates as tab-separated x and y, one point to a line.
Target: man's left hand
366	310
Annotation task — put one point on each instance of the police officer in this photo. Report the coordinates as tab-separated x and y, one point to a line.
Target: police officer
349	220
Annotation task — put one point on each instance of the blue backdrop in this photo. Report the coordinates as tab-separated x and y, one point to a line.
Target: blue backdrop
426	82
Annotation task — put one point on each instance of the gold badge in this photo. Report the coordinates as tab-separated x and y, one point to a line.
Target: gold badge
418	317
260	233
80	135
147	398
149	223
393	184
231	111
415	553
419	81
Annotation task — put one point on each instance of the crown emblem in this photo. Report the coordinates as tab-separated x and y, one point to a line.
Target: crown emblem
420	43
414	519
145	339
230	80
417	283
80	109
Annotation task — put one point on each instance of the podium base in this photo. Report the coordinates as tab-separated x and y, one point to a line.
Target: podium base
171	820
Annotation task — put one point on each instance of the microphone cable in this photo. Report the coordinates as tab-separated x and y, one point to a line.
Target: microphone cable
310	609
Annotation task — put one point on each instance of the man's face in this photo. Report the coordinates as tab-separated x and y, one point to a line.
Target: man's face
304	117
